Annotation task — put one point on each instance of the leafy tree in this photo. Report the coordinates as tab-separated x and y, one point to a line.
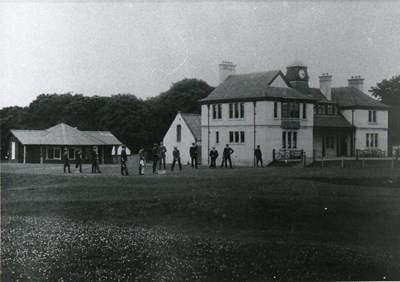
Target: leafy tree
133	121
388	92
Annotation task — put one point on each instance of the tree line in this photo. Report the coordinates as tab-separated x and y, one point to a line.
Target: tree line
134	121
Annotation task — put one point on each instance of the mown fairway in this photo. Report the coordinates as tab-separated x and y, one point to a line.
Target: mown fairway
243	224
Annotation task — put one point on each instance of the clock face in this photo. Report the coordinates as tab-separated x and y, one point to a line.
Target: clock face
302	74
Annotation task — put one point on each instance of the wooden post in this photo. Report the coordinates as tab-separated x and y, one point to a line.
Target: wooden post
342	162
322	161
273	154
304	159
41	154
24	154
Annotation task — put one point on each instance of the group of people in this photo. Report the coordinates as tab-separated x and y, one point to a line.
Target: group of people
159	156
78	160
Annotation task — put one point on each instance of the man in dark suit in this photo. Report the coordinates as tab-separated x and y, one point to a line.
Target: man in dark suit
154	153
226	156
213	155
124	160
258	154
176	155
193	154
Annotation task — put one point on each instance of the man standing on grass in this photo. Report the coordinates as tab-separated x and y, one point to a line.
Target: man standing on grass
95	161
258	154
176	155
193	154
66	160
213	155
154	153
161	152
78	160
124	160
226	156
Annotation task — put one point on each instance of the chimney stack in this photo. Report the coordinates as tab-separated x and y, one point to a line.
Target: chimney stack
325	85
357	82
226	69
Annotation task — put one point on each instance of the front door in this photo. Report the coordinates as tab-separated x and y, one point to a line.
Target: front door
343	145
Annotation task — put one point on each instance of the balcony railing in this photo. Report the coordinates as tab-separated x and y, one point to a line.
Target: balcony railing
290	123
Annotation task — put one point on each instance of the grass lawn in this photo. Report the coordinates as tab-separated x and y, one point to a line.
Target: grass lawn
244	224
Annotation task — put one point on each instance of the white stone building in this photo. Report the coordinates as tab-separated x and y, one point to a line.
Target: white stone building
184	130
282	114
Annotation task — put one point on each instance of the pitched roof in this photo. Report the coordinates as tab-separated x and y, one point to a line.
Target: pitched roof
253	85
351	97
63	134
193	121
330	121
317	94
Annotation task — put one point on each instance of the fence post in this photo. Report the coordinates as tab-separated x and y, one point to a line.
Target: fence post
342	162
313	157
304	159
273	154
322	161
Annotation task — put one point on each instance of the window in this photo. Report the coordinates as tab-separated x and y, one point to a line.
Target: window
236	137
178	133
275	109
53	153
13	150
217	137
371	116
330	110
216	111
289	139
330	142
304	110
290	110
371	140
236	110
71	153
335	110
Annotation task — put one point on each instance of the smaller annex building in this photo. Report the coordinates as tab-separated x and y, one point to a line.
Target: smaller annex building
47	146
184	130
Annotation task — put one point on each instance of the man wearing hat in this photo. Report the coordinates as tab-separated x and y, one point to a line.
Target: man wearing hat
154	153
124	160
161	153
66	160
78	159
226	156
193	154
213	155
176	155
95	161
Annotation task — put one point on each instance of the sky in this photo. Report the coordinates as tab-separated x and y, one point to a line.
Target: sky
142	48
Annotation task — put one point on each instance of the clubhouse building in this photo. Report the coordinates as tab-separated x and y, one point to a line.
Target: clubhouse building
47	146
286	117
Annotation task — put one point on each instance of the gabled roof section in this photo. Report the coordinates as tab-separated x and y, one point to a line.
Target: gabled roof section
331	121
352	98
193	121
28	137
253	86
63	134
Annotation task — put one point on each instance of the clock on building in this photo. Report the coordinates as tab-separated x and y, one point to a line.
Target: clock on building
302	74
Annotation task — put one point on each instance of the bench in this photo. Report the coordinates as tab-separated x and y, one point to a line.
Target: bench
371	153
